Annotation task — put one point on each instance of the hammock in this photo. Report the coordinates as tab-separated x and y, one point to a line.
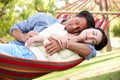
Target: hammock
24	69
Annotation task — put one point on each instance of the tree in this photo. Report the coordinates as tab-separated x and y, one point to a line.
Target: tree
13	11
48	7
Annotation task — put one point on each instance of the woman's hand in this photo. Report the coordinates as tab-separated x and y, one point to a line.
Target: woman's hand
36	38
32	33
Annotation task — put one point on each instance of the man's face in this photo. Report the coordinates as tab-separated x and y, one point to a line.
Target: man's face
75	25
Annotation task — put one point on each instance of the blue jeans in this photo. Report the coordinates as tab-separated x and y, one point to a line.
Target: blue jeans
16	50
16	42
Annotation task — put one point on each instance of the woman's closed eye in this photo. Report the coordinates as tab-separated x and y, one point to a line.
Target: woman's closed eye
94	33
94	41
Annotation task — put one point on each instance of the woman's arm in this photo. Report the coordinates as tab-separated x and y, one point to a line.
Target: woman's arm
36	38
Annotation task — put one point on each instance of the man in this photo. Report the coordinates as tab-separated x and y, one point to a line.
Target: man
36	23
33	50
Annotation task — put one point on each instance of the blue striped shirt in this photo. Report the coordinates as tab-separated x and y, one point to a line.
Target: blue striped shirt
37	23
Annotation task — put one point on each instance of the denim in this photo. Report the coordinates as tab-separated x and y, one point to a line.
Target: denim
23	52
17	51
93	53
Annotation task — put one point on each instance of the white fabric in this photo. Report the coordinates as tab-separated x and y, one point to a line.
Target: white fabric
64	55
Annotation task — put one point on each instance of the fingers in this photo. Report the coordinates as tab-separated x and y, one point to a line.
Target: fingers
51	51
52	47
29	42
50	38
32	33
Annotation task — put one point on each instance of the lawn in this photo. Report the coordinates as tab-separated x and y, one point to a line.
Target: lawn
108	76
102	67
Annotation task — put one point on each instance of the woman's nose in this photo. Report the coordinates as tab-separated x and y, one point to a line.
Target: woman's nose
91	36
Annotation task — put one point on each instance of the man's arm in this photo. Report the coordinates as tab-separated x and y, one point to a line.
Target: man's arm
19	35
80	48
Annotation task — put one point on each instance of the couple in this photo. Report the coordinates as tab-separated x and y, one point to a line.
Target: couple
22	31
93	36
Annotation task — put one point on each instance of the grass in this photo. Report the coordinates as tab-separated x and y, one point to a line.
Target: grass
103	61
108	76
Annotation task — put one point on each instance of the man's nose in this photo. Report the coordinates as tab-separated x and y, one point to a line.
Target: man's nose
74	26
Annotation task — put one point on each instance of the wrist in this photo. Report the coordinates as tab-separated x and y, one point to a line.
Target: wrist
24	38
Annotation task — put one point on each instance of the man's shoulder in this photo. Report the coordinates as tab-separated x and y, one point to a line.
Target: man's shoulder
40	14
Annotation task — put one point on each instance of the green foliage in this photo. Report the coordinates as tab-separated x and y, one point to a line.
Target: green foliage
116	29
5	15
48	7
13	11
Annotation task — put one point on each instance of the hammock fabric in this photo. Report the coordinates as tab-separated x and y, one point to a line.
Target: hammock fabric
13	68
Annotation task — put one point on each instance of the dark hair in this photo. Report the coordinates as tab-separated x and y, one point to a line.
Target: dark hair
103	42
89	18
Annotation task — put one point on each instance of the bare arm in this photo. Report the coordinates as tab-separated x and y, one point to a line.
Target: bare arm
80	48
19	35
36	38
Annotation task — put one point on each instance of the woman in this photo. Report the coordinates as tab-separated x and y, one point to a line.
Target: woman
92	36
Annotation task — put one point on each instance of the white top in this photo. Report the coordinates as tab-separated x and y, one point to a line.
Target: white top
64	55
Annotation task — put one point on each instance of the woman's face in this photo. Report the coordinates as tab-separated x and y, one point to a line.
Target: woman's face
91	35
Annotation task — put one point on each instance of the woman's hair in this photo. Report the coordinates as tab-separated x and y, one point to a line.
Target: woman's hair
89	18
103	42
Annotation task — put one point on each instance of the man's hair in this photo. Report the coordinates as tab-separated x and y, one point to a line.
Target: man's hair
89	18
103	42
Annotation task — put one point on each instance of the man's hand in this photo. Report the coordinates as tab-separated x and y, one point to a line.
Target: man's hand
52	46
